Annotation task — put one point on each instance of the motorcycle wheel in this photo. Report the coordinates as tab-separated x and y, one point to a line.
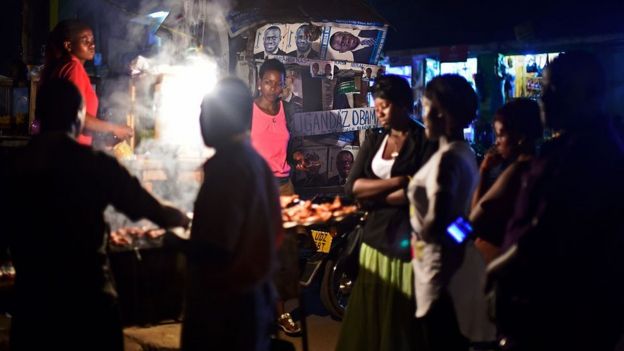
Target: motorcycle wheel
336	286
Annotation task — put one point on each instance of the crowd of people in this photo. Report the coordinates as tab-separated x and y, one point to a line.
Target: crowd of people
548	225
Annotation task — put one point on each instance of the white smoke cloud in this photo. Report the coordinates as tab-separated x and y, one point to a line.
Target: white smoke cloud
170	83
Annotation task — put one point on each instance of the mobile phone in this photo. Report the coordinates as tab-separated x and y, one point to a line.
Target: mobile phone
459	229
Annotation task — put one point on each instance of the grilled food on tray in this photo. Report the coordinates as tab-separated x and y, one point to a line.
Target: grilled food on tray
295	211
126	235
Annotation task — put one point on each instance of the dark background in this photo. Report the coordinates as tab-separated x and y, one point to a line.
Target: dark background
24	24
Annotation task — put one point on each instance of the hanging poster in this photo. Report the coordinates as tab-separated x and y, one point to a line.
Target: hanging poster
352	44
311	166
339	164
271	39
293	90
322	69
304	41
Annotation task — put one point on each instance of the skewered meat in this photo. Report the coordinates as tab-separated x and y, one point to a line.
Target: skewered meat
296	212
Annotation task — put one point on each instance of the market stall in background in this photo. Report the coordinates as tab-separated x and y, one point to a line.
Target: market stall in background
330	68
500	71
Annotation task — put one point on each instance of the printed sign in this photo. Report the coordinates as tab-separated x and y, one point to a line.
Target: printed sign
348	86
271	39
334	121
352	44
323	69
293	90
304	40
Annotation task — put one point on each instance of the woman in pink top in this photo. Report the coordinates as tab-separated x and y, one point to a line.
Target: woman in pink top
69	46
269	127
270	137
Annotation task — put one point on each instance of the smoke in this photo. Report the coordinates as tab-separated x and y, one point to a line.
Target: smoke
165	76
172	173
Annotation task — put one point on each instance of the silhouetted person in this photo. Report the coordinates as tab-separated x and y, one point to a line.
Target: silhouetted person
518	127
232	250
560	283
65	297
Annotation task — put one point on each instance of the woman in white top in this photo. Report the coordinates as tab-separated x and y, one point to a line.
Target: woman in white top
439	193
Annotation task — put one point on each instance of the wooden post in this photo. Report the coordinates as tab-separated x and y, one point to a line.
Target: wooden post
131	117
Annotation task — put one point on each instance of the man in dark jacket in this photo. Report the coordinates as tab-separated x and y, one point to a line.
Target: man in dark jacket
65	297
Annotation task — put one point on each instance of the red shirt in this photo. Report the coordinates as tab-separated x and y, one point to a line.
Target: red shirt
75	72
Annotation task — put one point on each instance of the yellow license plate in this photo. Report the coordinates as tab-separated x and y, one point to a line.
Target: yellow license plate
322	240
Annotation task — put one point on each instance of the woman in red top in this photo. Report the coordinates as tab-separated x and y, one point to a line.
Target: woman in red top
69	45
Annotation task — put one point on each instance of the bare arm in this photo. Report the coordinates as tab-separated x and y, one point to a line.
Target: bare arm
364	189
397	198
479	192
491	159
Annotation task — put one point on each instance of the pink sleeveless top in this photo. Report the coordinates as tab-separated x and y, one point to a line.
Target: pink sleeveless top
269	136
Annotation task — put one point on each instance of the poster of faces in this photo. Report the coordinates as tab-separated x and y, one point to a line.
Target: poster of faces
323	69
311	166
355	45
304	41
271	39
293	89
340	162
301	40
316	42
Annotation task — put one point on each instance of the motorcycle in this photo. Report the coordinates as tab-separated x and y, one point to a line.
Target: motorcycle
331	253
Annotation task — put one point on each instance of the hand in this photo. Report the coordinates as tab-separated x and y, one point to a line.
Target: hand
122	132
175	217
492	158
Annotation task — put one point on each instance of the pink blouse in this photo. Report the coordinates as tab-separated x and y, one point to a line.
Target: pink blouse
269	136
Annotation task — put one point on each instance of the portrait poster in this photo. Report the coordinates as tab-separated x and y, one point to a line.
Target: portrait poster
370	73
311	166
322	69
338	165
304	41
352	44
271	39
293	89
327	93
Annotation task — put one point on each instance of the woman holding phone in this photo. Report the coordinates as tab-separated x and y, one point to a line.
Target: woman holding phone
439	193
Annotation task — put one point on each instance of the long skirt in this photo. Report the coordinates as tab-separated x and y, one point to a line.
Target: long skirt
380	315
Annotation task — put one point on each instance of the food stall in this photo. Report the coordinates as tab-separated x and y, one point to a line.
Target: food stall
330	88
153	77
